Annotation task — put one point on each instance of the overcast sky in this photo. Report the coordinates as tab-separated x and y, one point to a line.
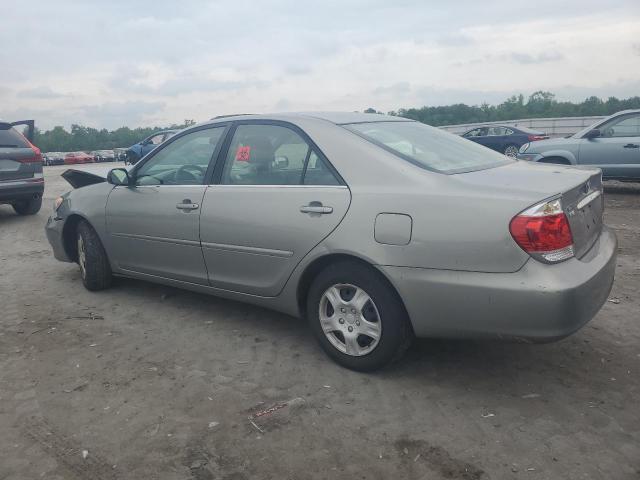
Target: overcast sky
151	62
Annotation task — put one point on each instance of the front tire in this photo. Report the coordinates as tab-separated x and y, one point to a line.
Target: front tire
92	259
28	207
357	317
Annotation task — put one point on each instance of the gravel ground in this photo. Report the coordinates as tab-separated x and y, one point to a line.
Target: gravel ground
144	381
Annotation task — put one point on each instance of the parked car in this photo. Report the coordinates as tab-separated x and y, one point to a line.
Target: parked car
21	179
72	158
53	158
612	144
121	154
504	139
374	228
139	150
100	156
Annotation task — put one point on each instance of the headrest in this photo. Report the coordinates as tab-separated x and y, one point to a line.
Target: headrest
261	150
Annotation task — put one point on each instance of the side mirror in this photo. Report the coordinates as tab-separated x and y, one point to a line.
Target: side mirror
595	133
118	176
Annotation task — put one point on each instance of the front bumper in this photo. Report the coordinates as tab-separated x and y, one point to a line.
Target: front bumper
54	230
537	303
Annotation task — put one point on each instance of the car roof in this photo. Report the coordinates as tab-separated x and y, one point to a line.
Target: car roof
338	118
624	112
171	130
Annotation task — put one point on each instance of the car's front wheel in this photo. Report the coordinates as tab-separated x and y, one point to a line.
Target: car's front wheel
28	207
357	317
511	151
92	259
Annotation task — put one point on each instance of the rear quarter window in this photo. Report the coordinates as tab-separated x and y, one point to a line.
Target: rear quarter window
12	139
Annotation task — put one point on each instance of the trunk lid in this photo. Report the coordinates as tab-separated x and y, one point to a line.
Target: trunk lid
584	206
524	184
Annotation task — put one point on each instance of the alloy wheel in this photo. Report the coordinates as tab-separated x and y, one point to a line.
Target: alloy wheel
511	151
350	319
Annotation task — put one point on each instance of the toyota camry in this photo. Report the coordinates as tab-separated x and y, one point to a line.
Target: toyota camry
376	229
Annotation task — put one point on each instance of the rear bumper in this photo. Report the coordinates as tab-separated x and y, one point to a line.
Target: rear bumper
537	303
18	190
54	231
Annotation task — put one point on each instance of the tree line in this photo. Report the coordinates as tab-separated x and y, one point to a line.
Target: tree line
539	104
81	138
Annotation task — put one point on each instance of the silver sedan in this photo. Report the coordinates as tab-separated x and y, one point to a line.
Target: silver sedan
612	144
375	229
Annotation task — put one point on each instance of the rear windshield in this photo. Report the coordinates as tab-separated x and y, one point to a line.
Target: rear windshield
12	139
429	147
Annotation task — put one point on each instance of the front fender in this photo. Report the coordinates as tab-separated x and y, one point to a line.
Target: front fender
558	153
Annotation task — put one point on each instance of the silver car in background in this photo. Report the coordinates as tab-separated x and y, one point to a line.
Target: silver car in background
612	144
375	228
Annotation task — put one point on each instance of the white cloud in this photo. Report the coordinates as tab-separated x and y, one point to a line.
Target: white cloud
159	62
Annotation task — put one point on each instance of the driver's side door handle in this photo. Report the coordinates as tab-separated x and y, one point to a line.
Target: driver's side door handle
187	205
631	145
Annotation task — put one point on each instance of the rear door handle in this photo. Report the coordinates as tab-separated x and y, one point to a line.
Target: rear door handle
631	145
187	205
316	207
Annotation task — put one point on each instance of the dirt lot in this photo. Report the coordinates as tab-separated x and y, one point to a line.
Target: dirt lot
144	381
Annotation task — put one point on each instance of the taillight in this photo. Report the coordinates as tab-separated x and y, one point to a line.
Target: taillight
543	231
533	138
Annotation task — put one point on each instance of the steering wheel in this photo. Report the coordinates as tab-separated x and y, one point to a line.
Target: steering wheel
195	172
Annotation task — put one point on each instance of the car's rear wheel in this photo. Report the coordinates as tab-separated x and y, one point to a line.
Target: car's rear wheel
511	151
92	259
27	207
357	317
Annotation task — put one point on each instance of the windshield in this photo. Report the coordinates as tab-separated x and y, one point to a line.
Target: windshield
429	147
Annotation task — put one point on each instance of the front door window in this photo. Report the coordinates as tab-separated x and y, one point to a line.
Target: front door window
183	161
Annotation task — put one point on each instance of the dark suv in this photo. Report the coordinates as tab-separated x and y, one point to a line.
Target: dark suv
21	179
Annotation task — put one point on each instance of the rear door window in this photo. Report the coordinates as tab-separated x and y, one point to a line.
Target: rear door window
274	155
265	155
318	172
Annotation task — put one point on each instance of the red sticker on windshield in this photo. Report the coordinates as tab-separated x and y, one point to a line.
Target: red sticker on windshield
243	154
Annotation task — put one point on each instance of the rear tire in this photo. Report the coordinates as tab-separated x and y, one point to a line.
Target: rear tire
364	332
511	151
92	259
28	207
